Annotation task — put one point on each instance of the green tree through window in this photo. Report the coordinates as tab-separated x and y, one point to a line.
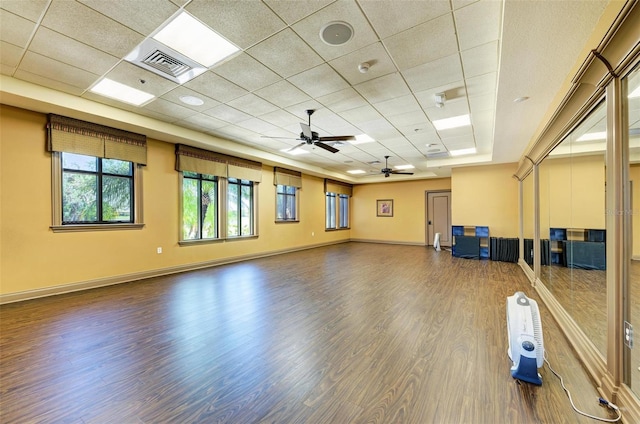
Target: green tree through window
199	206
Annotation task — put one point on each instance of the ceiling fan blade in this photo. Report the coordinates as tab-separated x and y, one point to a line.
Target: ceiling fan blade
338	138
401	173
297	146
326	147
306	130
283	138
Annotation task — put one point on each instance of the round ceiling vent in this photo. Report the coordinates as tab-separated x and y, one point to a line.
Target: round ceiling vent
336	33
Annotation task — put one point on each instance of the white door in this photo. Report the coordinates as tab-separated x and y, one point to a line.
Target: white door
439	217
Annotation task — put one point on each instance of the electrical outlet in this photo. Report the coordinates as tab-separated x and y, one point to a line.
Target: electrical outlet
159	250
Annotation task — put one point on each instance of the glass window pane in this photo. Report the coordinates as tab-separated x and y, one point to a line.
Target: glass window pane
290	211
79	197
232	209
247	203
190	211
209	212
79	162
115	166
116	199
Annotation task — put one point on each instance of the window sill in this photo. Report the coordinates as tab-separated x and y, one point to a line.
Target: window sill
234	238
287	221
94	227
198	242
337	229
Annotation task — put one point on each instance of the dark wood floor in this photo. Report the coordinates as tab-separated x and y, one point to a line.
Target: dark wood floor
351	333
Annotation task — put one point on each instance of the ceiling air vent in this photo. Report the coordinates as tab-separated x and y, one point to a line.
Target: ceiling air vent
164	61
437	154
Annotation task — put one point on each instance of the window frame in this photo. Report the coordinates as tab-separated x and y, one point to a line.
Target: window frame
56	202
200	178
296	203
334	219
252	213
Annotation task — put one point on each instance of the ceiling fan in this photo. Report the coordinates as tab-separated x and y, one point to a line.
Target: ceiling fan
388	171
311	137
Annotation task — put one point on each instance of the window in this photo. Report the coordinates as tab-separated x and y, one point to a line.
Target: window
337	211
286	203
199	206
96	190
239	207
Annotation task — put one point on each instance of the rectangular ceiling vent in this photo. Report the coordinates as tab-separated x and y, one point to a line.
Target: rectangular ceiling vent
164	61
438	155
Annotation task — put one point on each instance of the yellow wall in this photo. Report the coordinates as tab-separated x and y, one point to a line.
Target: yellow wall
407	225
572	193
33	257
486	195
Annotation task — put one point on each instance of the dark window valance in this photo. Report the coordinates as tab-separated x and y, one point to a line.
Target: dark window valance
86	138
282	176
202	161
333	186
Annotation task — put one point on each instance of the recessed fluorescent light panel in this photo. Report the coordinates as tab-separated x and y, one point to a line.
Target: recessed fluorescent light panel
294	152
455	122
635	93
189	36
404	167
121	92
362	139
357	171
462	152
593	136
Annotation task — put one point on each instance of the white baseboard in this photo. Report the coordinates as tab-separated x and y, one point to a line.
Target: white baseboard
127	278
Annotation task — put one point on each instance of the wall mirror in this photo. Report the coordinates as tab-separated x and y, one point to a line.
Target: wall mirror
572	225
528	219
632	223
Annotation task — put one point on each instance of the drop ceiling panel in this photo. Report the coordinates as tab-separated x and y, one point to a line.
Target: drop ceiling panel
72	52
319	81
374	54
384	88
15	30
216	87
434	74
478	23
256	125
228	114
202	121
309	29
175	94
252	105
244	23
281	118
480	60
92	28
291	11
133	76
143	16
165	107
48	82
424	43
57	71
482	84
285	53
246	72
343	100
389	18
31	10
282	94
11	55
361	114
397	106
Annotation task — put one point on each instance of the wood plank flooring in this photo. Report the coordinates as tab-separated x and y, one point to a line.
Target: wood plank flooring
351	333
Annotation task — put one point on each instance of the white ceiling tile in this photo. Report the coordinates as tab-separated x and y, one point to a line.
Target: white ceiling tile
456	132
252	105
48	82
31	10
383	88
257	125
309	29
292	11
165	107
15	29
90	27
408	119
398	105
202	121
319	81
282	94
244	23
285	53
424	43
67	50
389	18
281	118
11	55
482	102
374	54
143	16
480	60
227	113
482	84
451	108
181	91
216	87
57	71
434	74
478	23
246	72
133	76
343	100
361	114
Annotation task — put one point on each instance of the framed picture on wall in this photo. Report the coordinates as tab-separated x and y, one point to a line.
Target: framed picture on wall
384	207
